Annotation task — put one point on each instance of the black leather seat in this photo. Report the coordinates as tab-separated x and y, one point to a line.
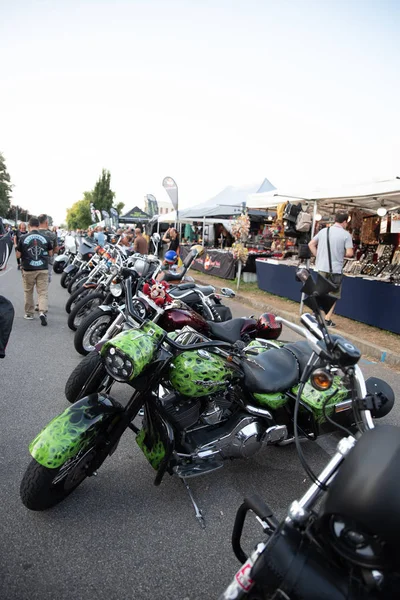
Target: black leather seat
206	289
273	371
169	276
302	352
229	331
184	286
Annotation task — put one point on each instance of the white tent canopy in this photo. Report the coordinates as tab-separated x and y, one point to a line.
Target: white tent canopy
228	202
369	196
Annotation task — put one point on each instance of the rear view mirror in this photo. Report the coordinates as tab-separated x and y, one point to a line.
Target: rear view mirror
227	292
318	290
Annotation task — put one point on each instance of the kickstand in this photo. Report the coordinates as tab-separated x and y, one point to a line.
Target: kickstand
199	514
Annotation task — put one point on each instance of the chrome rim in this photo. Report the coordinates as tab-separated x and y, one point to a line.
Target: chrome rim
95	332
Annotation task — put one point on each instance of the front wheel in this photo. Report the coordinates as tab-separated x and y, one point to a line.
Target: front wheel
76	297
59	266
65	279
81	310
41	488
77	281
88	377
91	330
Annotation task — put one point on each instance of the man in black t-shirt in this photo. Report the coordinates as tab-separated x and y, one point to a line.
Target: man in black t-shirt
34	249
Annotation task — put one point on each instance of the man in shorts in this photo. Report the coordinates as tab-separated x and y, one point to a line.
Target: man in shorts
341	245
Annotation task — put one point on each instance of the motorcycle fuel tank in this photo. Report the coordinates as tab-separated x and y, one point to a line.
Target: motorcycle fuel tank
198	373
177	318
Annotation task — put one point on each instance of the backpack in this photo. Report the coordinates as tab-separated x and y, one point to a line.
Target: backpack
303	222
291	212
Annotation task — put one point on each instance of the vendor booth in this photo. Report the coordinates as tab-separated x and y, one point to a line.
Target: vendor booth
135	216
210	224
371	286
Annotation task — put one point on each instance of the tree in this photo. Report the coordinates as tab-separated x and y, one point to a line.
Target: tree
5	188
119	206
17	213
78	216
102	195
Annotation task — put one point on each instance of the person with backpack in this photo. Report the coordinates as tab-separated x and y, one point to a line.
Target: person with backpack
331	246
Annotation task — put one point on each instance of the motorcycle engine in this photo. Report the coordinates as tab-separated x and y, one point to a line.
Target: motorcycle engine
186	412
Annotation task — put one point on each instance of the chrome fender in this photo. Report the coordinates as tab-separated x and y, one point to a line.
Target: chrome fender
61	258
72	431
71	268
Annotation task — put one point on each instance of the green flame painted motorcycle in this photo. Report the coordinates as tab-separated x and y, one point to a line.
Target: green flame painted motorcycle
204	401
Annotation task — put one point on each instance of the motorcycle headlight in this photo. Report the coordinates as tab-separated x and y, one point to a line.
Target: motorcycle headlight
118	365
116	289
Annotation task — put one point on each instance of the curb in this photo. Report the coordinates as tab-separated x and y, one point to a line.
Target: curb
380	355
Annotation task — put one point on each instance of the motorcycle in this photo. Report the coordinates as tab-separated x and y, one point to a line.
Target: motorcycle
79	262
66	255
345	547
95	288
204	402
202	299
108	320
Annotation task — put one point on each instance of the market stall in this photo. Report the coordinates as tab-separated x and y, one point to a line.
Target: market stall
210	224
371	286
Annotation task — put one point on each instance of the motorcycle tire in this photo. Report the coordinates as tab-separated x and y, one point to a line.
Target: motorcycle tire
90	367
76	297
37	490
91	330
58	267
77	281
65	280
83	308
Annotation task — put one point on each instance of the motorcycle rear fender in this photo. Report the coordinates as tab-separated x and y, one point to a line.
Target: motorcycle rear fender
70	268
73	430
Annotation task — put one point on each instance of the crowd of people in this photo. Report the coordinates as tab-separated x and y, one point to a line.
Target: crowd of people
36	244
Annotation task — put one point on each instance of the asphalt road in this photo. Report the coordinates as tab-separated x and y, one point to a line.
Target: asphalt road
119	537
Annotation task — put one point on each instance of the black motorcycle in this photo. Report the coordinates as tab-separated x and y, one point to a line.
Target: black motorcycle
340	540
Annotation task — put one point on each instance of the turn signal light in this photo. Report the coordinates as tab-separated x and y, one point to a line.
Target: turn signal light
321	380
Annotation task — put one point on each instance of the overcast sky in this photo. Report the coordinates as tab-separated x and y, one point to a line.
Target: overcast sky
210	92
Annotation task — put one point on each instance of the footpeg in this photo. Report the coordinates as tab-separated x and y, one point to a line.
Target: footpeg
275	434
198	468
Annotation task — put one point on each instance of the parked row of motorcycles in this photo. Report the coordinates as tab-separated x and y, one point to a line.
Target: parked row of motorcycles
212	388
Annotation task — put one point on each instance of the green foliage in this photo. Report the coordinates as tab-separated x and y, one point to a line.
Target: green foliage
78	216
102	195
17	213
5	188
119	206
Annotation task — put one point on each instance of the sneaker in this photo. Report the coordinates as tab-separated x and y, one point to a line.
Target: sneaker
43	319
141	412
37	307
330	323
28	317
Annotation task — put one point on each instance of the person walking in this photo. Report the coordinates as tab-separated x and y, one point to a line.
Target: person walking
100	236
331	246
18	234
140	244
34	250
44	228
